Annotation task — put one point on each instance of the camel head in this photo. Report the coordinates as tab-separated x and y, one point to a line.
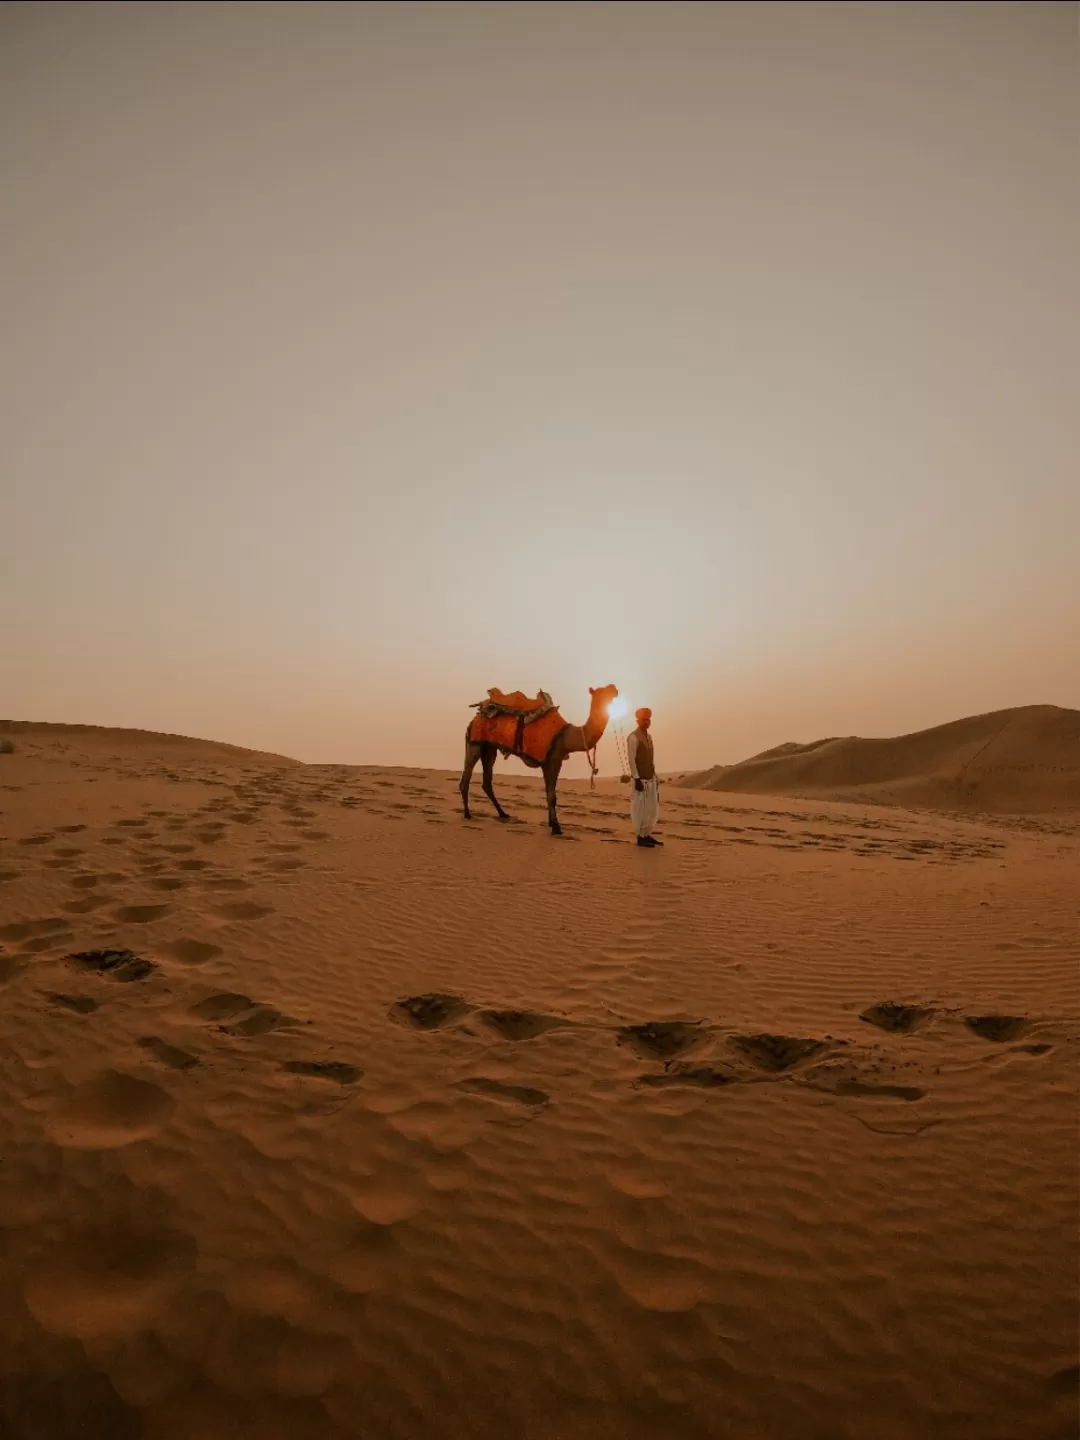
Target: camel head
598	707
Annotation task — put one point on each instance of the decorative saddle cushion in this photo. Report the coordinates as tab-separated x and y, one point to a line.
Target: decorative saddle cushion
515	734
515	702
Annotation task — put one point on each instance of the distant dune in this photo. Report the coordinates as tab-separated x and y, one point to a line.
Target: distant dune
1020	761
96	736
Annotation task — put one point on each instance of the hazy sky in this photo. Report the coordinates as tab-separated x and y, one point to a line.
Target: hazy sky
358	357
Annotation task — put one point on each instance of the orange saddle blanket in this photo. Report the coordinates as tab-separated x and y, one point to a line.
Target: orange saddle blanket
514	736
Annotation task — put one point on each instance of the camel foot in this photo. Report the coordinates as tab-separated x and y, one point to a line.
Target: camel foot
502	815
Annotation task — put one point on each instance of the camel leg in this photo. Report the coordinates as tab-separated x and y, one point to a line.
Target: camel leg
551	780
487	759
472	755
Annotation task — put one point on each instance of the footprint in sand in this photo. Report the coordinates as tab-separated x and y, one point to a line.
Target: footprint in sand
429	1012
637	1181
30	929
684	1072
91	902
665	1284
120	965
895	1018
79	1004
836	1077
168	1054
109	1110
243	910
776	1053
10	965
519	1024
47	942
381	1205
864	1090
141	914
336	1070
222	1006
260	1022
998	1028
192	952
662	1039
107	1285
6	875
237	1014
497	1090
1065	1382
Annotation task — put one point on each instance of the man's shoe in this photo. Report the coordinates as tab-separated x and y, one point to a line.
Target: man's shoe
655	841
646	842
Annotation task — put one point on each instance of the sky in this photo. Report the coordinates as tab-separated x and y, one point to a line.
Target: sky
356	358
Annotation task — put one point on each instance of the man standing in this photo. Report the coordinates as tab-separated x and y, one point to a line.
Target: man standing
645	795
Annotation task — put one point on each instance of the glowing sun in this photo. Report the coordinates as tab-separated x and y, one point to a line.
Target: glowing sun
616	708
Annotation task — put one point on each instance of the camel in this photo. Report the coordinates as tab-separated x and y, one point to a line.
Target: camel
569	740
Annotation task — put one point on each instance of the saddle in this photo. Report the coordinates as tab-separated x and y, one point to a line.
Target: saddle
514	702
517	723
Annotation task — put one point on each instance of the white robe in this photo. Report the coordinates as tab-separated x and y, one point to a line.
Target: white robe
645	803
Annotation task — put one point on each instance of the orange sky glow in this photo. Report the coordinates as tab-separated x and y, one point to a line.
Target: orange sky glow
357	358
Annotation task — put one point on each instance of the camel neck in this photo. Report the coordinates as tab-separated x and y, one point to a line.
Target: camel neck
593	729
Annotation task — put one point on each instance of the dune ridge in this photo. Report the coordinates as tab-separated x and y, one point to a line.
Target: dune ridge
1024	760
151	739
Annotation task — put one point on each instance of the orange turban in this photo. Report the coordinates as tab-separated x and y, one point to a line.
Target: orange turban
643	714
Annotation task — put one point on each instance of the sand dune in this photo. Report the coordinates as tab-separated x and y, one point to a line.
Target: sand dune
324	1113
124	745
1025	760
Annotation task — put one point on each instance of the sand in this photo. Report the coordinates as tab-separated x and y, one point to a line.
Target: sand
1020	761
325	1113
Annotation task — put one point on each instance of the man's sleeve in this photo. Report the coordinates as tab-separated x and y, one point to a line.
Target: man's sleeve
631	755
